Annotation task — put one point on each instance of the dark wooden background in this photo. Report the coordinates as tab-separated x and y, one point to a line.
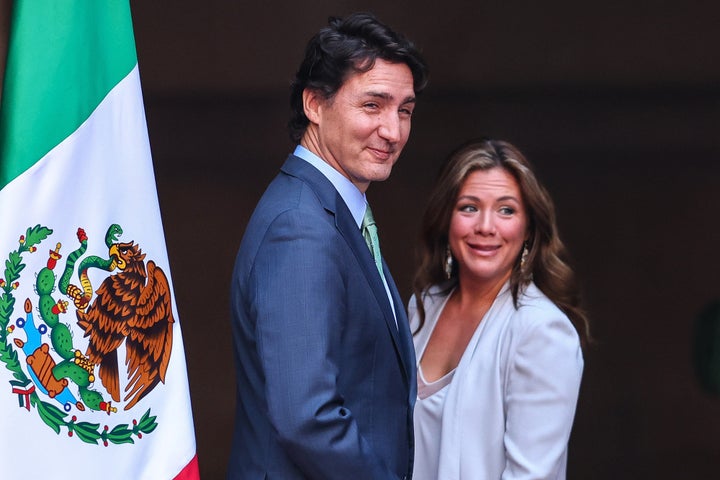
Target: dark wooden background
616	103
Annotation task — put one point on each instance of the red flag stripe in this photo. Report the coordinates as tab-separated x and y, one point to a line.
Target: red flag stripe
191	471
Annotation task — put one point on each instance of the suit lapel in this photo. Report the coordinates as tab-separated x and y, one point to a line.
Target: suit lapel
333	202
407	349
352	235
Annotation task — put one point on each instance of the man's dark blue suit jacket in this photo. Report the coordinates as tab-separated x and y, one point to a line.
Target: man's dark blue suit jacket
325	379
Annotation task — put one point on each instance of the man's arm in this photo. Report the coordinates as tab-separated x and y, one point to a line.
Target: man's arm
299	293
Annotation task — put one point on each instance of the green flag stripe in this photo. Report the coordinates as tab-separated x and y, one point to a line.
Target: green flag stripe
63	59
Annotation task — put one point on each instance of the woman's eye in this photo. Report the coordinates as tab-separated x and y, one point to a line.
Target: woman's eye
507	210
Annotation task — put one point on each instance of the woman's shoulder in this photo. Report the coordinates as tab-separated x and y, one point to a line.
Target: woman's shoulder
535	309
531	297
542	332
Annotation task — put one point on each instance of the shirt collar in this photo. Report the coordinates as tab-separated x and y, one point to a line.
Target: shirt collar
353	198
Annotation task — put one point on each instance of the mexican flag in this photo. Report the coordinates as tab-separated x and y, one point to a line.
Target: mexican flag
93	381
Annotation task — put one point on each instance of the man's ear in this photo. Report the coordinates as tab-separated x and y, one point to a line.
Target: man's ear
312	102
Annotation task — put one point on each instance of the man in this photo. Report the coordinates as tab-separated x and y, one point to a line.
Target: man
325	365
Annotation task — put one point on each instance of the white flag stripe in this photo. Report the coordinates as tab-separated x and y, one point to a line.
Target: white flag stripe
100	175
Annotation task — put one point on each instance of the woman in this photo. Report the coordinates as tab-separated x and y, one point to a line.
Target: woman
498	330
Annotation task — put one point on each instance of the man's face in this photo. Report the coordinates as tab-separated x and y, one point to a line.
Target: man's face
362	130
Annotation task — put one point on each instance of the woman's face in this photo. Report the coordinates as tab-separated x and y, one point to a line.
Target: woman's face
488	226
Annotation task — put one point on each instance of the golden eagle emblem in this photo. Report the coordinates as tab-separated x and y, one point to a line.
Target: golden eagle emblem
132	306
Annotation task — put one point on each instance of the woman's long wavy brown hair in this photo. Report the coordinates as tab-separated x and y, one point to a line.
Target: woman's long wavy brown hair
545	263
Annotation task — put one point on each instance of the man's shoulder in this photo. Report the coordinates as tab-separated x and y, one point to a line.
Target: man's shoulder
292	192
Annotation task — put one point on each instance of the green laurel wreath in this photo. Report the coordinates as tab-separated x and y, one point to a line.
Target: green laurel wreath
54	417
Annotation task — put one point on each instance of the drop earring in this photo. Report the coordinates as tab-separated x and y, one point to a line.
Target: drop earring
448	263
524	255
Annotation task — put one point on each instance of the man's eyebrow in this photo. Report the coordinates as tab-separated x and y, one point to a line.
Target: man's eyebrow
387	96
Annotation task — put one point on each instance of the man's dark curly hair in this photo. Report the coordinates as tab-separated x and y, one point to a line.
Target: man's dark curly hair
347	46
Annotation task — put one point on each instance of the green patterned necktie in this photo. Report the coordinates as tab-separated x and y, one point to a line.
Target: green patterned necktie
369	231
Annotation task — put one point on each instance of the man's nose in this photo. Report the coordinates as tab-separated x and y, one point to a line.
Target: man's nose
390	127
